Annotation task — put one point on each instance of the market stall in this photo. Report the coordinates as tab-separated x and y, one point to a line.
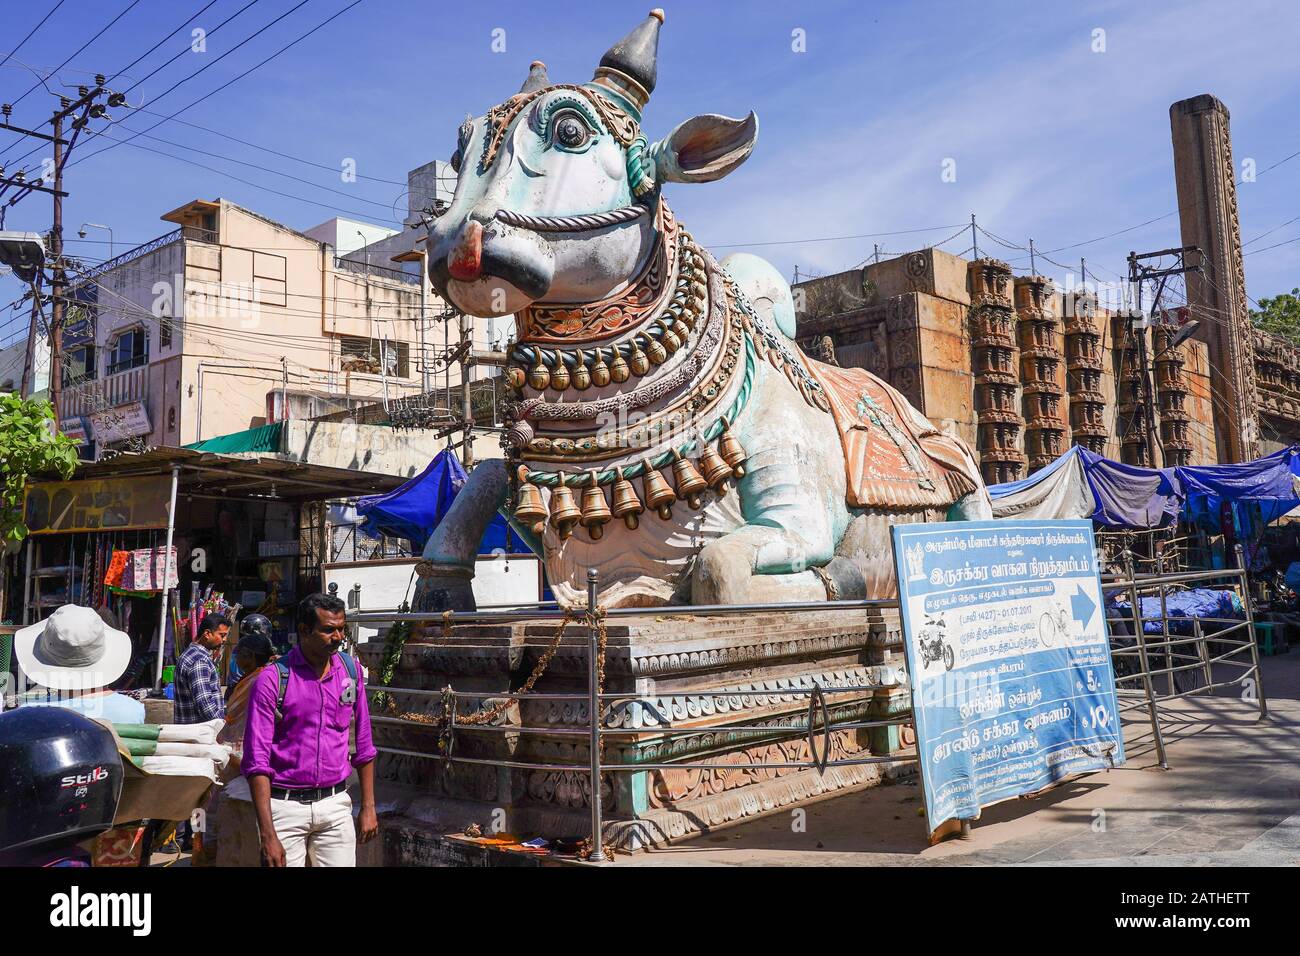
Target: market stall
135	534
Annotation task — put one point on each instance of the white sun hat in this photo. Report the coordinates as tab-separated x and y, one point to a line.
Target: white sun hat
72	649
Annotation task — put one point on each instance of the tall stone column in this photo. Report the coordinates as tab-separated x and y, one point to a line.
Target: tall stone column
993	364
1040	362
1207	204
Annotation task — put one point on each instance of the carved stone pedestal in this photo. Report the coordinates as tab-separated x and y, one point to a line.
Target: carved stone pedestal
717	674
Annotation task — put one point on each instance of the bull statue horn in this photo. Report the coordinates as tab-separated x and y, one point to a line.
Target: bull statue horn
629	69
537	78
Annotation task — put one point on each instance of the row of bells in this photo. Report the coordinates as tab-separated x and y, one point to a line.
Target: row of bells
599	373
716	466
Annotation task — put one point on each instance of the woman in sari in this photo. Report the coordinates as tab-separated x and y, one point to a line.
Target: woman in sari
253	654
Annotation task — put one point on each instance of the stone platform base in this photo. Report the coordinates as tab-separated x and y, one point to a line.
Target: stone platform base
741	681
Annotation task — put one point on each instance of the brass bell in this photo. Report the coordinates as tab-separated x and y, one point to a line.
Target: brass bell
540	377
658	495
656	352
618	370
732	453
563	511
581	375
529	510
560	377
715	470
594	510
639	362
517	377
600	373
681	329
670	341
626	504
689	483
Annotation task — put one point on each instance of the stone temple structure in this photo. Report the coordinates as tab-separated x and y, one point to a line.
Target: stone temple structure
1017	367
1022	369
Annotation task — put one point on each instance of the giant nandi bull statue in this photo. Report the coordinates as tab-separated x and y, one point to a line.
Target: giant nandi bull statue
666	428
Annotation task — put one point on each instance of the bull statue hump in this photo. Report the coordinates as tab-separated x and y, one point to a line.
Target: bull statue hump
665	427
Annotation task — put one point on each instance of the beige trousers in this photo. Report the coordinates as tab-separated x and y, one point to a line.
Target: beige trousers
322	831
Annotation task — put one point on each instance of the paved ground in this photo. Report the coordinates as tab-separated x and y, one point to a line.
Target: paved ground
1230	798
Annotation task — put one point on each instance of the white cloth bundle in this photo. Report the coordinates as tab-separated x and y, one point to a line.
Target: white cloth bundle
217	753
179	766
204	733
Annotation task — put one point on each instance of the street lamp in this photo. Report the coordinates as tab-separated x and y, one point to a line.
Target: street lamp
94	225
24	253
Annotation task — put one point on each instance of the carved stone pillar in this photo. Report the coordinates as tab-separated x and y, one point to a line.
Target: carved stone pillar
1171	392
1083	360
1134	428
1040	363
993	363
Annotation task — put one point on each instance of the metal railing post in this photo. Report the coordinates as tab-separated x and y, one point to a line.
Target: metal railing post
1146	668
1203	651
1164	616
593	713
1250	631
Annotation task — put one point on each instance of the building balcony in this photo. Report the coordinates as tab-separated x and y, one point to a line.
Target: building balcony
112	391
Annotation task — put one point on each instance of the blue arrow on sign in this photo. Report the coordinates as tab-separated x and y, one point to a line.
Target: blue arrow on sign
1082	607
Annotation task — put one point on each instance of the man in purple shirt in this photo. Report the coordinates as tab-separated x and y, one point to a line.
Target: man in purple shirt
296	760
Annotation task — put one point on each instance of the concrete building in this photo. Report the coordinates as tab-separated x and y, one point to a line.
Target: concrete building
13	361
228	322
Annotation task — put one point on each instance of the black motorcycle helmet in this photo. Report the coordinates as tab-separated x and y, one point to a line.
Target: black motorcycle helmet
255	625
62	775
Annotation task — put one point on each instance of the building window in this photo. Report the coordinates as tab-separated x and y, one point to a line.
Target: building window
363	355
129	350
78	365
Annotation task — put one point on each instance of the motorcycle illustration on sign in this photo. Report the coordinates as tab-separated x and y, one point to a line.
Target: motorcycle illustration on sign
933	642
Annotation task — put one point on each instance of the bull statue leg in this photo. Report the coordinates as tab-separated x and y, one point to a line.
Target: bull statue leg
447	569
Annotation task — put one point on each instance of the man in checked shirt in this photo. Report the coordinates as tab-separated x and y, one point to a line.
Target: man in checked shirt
198	686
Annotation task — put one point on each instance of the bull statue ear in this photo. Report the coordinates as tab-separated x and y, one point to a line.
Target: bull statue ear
704	148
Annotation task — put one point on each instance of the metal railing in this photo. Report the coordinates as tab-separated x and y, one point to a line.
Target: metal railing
1140	658
816	725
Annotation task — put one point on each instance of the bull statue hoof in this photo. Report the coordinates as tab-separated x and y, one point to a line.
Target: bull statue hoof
665	427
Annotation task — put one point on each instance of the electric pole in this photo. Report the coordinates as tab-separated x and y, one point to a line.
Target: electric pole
1137	275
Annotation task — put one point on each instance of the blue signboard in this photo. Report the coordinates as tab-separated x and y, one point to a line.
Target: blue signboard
1008	658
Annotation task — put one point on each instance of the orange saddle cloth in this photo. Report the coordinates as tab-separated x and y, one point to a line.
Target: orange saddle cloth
894	455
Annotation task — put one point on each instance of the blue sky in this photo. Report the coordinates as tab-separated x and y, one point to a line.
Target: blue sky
1050	139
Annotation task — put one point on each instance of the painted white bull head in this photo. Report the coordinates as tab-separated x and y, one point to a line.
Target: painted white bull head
557	186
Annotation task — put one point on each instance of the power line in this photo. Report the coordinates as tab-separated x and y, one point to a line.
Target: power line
31	32
249	182
231	82
80	49
267	149
179	27
796	242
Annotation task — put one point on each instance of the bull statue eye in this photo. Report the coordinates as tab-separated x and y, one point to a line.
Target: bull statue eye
570	131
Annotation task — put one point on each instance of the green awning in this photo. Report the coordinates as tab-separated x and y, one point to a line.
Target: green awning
265	439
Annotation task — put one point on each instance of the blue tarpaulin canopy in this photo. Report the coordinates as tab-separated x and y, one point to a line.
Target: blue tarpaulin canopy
1126	496
415	509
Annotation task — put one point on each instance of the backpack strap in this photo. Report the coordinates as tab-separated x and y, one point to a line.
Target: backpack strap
282	669
349	664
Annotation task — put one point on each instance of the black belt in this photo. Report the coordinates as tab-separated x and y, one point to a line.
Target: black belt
308	794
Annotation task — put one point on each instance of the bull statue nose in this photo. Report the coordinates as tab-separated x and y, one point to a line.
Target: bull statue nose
466	259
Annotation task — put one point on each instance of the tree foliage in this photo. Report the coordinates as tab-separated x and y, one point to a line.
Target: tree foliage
29	445
1279	315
